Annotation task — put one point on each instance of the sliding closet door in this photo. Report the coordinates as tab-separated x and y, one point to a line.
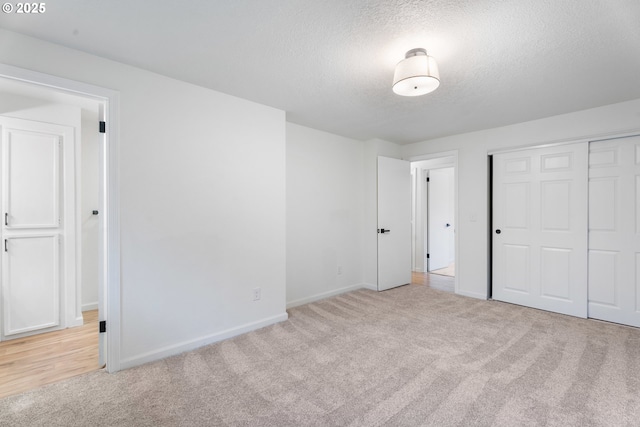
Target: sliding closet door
540	228
614	230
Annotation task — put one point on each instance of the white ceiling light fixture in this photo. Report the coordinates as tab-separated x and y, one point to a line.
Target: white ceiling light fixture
417	74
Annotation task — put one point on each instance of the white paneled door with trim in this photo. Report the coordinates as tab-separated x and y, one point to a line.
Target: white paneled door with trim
394	223
38	229
614	230
540	228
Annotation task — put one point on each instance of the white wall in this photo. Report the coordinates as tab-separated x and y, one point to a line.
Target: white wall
202	197
89	188
29	108
472	228
324	214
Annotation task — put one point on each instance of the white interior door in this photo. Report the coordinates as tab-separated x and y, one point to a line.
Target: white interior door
441	228
614	230
394	223
540	228
35	167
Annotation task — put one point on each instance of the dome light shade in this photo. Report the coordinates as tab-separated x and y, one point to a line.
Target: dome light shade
417	74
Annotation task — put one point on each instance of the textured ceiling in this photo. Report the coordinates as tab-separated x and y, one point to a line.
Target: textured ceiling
329	64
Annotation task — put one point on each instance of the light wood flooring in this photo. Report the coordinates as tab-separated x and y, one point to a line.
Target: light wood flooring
443	283
449	270
31	362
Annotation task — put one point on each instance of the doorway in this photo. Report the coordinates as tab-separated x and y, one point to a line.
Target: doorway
40	284
440	224
32	93
434	218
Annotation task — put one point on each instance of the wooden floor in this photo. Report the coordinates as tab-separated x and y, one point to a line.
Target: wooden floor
449	270
28	363
443	283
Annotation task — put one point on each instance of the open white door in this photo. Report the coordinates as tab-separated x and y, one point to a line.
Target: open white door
540	228
441	237
394	223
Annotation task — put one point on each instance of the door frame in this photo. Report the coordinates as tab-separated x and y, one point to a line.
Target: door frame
454	164
109	280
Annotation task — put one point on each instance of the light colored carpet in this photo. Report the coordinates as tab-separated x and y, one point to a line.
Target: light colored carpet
411	356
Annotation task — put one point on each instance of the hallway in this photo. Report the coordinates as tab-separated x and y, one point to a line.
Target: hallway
31	362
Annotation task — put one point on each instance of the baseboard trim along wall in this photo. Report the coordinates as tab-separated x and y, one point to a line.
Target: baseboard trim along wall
324	295
90	306
370	287
475	295
172	350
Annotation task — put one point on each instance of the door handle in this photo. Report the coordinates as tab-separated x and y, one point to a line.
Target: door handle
498	231
448	225
5	245
383	231
6	218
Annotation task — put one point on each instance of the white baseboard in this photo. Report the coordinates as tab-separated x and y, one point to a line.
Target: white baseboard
418	270
172	350
475	295
90	306
323	295
370	287
77	321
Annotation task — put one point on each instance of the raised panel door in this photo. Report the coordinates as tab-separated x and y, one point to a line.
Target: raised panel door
540	228
614	231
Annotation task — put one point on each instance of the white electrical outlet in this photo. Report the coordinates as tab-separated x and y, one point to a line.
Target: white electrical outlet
256	294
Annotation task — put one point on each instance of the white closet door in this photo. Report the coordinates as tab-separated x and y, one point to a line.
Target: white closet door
614	230
31	278
31	291
38	290
540	228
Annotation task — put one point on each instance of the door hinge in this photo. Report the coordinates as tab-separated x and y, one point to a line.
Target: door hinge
103	127
427	179
103	326
427	255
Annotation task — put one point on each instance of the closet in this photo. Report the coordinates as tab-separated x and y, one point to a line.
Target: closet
565	228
